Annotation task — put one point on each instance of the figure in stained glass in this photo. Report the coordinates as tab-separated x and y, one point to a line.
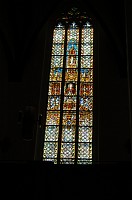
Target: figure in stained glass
70	89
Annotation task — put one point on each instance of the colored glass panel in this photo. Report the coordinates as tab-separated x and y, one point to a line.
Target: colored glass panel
67	161
50	149
56	74
67	150
86	61
71	75
86	49
86	103
86	89
70	89
51	133
71	61
87	35
85	134
53	118
57	49
84	161
86	75
54	160
85	150
85	118
73	33
69	103
57	62
53	103
54	88
68	134
69	118
59	35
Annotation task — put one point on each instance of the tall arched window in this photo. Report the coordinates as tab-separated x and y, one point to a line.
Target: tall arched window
69	117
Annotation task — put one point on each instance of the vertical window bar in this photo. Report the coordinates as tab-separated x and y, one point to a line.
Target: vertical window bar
62	98
78	88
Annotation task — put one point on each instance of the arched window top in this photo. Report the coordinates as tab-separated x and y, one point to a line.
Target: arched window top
69	116
75	17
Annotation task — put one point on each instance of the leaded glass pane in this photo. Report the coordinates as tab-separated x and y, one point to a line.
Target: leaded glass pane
69	118
85	150
67	150
57	62
69	103
53	160
86	103
54	88
86	75
85	118
71	75
53	103
57	49
86	49
56	74
67	161
73	34
87	35
85	134
86	89
50	149
72	61
86	61
51	133
70	89
84	161
58	35
68	133
72	50
53	118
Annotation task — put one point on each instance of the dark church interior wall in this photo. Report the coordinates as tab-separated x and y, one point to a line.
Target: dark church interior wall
22	54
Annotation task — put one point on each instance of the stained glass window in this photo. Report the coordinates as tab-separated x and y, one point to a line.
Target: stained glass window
69	118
